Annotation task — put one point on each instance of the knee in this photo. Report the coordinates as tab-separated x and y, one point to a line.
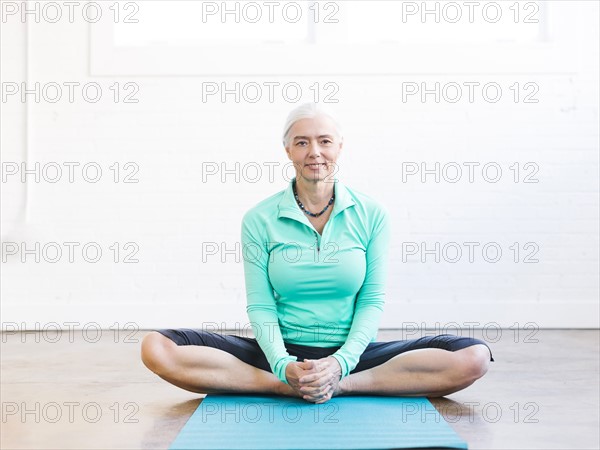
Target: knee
156	352
476	361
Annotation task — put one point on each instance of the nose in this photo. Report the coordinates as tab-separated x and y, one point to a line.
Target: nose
315	149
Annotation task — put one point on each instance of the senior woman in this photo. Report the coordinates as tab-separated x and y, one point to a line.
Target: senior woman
315	265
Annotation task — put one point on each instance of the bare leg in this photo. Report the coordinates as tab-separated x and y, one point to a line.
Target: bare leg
428	372
206	370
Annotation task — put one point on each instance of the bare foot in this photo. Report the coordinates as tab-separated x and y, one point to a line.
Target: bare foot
288	391
342	388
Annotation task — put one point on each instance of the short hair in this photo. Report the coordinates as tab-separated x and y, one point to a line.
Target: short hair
308	111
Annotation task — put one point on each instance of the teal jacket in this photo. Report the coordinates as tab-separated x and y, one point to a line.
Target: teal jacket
311	289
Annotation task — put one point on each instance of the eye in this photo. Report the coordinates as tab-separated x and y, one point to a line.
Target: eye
327	141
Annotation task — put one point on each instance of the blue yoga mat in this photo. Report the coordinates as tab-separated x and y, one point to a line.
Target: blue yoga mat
264	422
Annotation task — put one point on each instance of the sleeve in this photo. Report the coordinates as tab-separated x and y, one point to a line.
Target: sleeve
261	308
370	298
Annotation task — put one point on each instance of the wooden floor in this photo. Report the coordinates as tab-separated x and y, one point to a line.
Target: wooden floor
70	392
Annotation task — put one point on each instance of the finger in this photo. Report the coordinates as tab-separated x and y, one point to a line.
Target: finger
305	379
317	370
328	394
315	380
326	399
315	363
318	388
317	397
306	364
314	391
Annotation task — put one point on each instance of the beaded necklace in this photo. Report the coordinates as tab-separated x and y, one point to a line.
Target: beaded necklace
302	206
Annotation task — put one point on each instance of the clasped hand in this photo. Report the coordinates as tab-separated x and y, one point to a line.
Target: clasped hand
315	380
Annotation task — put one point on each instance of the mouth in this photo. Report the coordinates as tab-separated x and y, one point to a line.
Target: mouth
316	164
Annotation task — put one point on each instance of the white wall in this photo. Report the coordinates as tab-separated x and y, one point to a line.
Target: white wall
170	213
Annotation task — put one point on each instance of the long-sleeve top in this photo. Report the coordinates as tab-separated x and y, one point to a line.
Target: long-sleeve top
310	289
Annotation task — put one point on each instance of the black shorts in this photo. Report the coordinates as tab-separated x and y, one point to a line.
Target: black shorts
376	353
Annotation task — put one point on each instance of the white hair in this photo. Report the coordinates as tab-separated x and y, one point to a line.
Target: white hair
307	111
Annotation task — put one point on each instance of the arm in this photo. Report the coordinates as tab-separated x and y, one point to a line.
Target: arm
261	308
370	298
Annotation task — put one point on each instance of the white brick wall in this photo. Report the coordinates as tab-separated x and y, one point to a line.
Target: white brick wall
170	212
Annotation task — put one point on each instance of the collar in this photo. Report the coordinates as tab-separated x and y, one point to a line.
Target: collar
289	208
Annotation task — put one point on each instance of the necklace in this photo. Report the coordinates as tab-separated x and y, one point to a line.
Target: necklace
302	206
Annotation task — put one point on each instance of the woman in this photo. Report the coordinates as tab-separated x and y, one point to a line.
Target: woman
315	266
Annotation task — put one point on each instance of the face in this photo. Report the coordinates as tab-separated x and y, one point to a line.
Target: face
314	148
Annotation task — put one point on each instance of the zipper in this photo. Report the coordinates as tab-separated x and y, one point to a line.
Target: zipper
308	224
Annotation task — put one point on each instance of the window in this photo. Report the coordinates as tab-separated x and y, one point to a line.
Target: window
360	37
189	23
